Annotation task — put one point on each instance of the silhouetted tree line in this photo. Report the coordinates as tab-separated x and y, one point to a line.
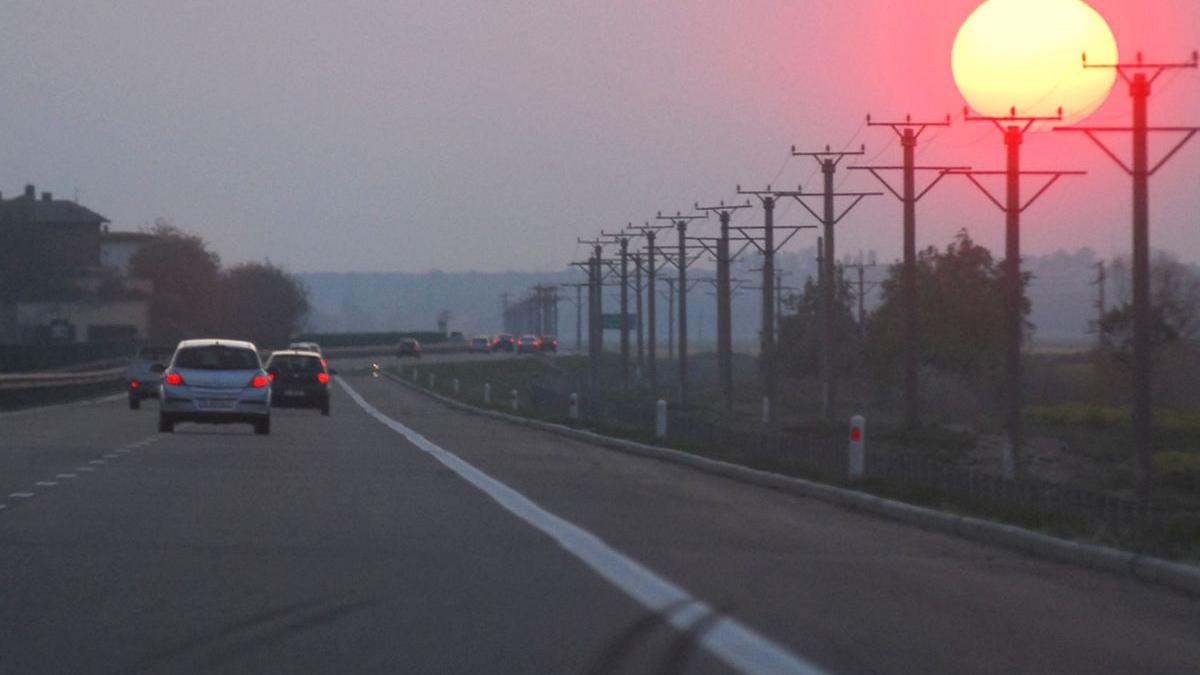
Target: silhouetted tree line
195	297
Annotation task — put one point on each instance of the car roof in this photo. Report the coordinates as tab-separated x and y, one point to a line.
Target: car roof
217	342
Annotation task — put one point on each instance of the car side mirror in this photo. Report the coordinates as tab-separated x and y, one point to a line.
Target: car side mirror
157	368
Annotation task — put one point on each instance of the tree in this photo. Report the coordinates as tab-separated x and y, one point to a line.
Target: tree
263	303
1174	305
186	277
960	309
801	334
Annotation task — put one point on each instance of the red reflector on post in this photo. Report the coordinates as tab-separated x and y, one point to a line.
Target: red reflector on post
856	434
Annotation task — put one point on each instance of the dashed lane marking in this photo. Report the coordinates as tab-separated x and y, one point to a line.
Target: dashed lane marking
65	475
85	468
98	461
45	483
111	455
20	495
726	638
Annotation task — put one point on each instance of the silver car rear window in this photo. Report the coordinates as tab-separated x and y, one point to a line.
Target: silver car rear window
216	357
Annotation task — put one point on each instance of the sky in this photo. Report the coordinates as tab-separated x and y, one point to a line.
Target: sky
392	135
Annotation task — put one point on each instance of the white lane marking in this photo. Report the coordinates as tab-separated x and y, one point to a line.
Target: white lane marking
97	461
3	506
21	495
111	455
64	475
85	468
733	643
45	483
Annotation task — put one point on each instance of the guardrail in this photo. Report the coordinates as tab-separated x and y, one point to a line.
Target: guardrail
23	390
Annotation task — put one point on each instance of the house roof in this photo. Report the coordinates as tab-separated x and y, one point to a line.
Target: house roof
28	208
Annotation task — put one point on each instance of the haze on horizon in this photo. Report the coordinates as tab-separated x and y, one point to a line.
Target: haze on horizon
370	135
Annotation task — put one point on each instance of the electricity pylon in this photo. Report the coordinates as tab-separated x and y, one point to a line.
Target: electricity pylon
910	133
829	160
682	260
724	298
1140	76
1014	128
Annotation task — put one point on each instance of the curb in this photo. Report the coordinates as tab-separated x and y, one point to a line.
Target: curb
1175	576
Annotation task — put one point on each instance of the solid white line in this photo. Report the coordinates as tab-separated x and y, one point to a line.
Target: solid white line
21	495
59	406
733	643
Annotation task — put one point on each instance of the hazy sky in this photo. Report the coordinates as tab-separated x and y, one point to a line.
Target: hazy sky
389	135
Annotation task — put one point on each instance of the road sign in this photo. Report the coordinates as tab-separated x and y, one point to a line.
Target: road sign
613	321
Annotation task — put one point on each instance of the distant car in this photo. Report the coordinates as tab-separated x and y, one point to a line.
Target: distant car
307	347
215	382
408	347
529	344
299	379
503	343
141	379
549	343
481	344
457	336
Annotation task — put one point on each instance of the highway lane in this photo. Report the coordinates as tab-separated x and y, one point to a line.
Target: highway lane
330	546
335	545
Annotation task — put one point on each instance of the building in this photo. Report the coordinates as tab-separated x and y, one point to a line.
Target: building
64	277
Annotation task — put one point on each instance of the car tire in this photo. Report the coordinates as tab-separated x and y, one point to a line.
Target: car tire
135	402
262	427
166	425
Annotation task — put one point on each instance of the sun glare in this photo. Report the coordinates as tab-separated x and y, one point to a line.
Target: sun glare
1028	54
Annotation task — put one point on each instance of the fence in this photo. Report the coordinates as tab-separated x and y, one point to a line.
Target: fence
892	470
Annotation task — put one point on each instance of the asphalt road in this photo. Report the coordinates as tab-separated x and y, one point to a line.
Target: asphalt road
400	536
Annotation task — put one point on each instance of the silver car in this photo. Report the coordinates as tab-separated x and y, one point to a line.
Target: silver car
215	382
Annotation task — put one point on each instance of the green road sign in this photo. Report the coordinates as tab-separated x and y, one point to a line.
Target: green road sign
613	321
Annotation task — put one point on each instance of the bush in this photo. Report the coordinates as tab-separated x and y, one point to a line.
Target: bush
1178	469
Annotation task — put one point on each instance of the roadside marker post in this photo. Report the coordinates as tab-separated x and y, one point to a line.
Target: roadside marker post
858	447
660	419
573	406
487	395
416	375
454	385
516	401
432	380
766	410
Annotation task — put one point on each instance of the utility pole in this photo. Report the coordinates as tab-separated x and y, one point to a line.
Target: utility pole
652	268
724	299
578	313
1101	301
595	312
909	133
861	266
1014	128
768	248
1140	76
829	160
682	261
637	287
670	281
622	240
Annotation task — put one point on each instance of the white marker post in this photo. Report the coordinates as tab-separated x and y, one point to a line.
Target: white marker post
454	386
516	401
416	375
432	380
573	406
487	394
858	447
766	417
660	420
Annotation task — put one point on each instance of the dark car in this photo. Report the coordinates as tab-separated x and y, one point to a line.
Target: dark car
299	379
504	343
529	344
408	347
549	343
141	379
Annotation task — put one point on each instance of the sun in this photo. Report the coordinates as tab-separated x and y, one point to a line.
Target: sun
1028	54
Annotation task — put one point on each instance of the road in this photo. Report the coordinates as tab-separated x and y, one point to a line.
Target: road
400	536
